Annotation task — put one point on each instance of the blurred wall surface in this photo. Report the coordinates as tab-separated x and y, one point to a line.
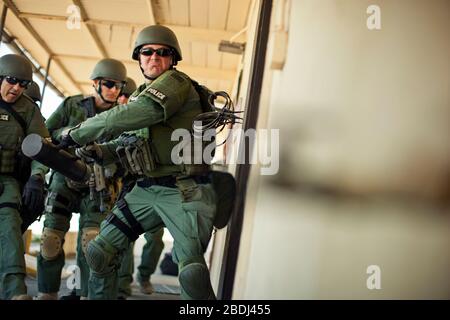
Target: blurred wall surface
359	208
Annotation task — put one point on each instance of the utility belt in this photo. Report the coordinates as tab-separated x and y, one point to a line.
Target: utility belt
187	185
170	181
222	182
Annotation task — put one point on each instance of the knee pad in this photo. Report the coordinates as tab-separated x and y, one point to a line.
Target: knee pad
98	259
88	234
195	282
51	243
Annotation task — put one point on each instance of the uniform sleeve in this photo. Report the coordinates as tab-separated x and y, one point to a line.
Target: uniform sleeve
142	113
170	90
109	152
38	168
37	124
57	121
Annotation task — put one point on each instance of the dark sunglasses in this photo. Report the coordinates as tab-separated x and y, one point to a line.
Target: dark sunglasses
126	95
110	84
13	81
162	52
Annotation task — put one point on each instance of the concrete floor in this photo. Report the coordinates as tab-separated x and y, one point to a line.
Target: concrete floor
166	287
161	283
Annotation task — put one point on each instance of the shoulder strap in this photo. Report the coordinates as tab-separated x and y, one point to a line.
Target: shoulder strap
16	116
204	93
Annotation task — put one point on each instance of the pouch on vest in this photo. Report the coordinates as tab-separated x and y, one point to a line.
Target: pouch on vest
22	169
136	154
188	188
224	185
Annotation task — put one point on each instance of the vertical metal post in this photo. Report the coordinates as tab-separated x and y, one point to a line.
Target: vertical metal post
46	77
2	22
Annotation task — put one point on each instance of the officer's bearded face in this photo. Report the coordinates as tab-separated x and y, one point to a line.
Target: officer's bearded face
154	65
10	92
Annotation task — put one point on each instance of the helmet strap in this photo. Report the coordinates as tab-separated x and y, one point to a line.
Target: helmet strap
99	91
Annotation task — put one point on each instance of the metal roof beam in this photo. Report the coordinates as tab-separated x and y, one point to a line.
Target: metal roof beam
38	70
91	29
151	15
38	38
186	33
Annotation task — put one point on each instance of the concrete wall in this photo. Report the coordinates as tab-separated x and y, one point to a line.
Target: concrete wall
364	119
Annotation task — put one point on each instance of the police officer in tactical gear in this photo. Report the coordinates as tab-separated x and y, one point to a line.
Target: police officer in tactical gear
165	195
66	196
19	116
154	245
127	91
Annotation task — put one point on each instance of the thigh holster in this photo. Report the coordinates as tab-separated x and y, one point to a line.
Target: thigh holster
54	198
134	229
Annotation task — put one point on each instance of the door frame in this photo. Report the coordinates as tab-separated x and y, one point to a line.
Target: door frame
233	236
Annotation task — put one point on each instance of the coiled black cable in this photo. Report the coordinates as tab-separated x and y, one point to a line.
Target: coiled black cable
218	118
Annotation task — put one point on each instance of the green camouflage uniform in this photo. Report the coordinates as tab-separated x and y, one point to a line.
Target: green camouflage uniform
151	252
158	108
64	198
12	263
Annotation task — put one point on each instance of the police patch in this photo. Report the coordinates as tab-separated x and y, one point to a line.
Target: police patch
4	117
157	94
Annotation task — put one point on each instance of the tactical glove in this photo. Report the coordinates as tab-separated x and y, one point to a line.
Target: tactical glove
66	142
33	194
90	152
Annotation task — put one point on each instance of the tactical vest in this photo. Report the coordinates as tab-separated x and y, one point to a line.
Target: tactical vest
11	133
174	92
75	110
